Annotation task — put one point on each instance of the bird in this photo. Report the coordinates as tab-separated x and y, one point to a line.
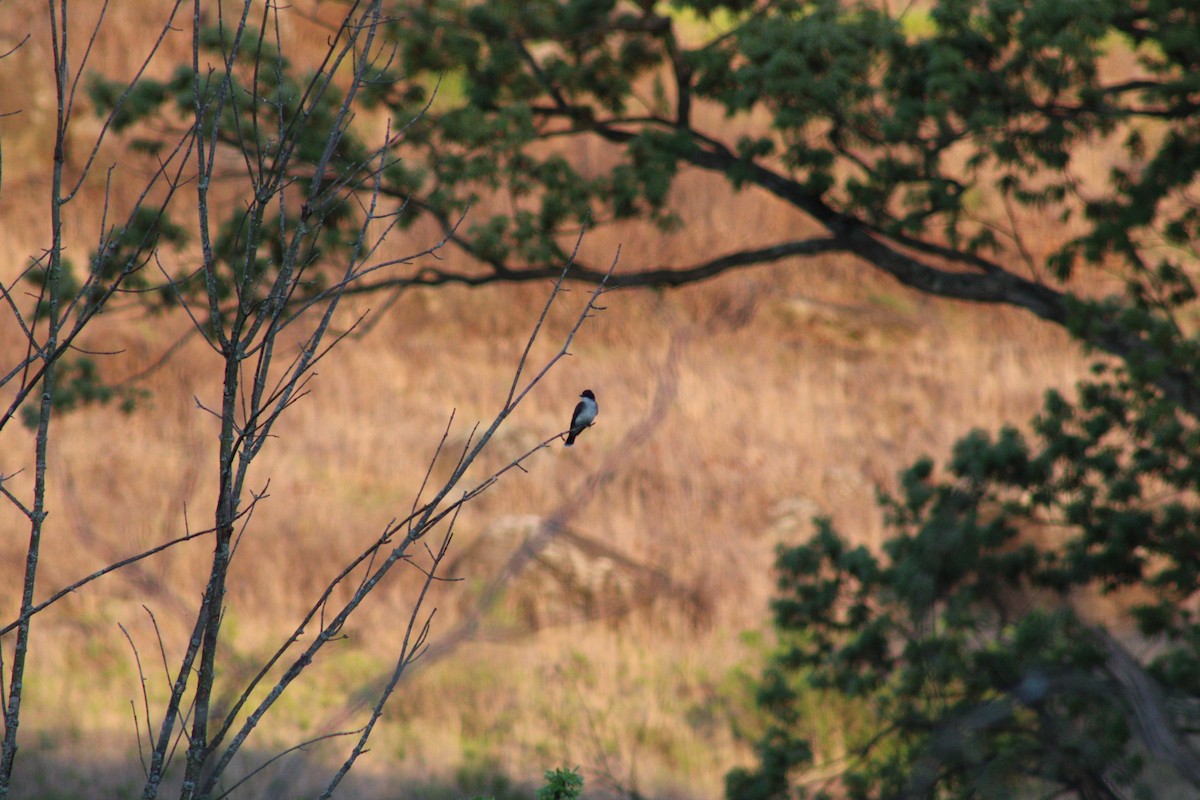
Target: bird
585	414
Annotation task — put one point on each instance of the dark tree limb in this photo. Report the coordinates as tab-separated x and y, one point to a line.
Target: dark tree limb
1148	710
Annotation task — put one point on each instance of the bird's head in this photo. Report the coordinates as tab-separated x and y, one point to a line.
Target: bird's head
588	394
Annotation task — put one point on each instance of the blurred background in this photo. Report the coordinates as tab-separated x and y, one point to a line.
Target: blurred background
732	411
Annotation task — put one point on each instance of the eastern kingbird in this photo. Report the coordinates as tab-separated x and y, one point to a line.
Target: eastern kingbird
585	414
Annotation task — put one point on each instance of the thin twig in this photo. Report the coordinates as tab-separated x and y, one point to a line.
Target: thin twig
277	756
145	701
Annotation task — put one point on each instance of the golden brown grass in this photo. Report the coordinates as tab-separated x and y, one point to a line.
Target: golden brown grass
831	380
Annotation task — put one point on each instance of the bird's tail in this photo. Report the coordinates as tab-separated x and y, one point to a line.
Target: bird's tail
570	439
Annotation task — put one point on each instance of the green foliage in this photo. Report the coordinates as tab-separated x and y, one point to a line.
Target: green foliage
866	115
120	260
38	278
78	384
561	784
964	639
128	252
896	121
285	122
78	380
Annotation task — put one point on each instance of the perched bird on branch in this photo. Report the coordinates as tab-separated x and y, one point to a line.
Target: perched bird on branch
584	416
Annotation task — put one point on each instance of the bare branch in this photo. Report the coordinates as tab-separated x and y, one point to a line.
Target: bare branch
66	590
145	700
294	748
410	650
417	525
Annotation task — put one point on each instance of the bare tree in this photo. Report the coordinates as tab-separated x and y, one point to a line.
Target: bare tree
51	329
252	298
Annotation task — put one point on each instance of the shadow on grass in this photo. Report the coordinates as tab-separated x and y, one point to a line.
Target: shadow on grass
50	770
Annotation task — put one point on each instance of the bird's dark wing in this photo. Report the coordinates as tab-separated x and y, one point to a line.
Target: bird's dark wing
575	414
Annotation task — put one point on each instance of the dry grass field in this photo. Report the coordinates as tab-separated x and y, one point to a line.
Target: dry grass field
789	390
